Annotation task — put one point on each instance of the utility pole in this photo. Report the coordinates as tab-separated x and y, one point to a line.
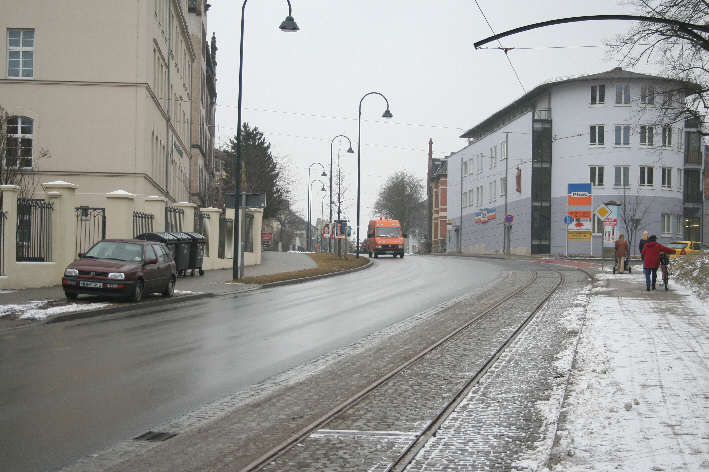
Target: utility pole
460	228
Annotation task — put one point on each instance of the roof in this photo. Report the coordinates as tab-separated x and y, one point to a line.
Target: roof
523	103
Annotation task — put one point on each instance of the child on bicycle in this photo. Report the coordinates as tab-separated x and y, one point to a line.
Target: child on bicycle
651	259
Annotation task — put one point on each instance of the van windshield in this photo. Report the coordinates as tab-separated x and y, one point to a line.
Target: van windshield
388	232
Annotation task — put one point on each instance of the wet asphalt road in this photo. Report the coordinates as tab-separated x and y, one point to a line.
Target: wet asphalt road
71	389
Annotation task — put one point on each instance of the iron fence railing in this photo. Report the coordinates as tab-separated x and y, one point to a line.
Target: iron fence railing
34	230
142	222
173	219
3	217
90	227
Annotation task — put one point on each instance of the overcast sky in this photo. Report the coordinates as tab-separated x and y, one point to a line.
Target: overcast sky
302	89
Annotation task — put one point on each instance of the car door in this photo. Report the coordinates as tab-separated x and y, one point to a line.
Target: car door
150	271
164	271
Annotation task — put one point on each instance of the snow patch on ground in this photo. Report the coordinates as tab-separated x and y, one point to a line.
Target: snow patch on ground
41	309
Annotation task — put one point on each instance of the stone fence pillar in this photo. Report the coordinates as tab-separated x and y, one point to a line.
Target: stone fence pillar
9	255
156	205
189	209
119	214
63	197
212	229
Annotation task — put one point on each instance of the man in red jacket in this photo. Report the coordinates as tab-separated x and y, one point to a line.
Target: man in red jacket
651	259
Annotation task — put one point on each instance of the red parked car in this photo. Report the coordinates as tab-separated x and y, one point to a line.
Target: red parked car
122	267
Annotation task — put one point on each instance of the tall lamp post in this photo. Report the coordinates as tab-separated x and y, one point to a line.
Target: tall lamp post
323	189
351	151
386	114
288	25
307	232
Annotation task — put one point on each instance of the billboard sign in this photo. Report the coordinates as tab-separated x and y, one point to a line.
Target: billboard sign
579	195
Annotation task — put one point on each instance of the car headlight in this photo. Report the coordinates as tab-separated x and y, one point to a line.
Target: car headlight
116	275
71	273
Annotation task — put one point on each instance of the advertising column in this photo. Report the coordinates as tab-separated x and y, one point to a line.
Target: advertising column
579	209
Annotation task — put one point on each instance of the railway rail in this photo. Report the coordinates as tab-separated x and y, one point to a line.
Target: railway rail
419	439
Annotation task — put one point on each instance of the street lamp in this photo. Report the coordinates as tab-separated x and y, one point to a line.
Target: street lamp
307	232
288	25
351	151
386	114
323	189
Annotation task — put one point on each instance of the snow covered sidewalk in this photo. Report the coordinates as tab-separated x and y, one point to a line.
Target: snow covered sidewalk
639	393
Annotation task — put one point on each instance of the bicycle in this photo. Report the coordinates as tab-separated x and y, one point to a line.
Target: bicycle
665	267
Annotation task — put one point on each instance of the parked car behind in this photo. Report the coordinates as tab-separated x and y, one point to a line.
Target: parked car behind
122	267
685	247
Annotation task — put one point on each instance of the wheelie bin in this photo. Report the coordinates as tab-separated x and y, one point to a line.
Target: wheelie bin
182	252
196	252
167	238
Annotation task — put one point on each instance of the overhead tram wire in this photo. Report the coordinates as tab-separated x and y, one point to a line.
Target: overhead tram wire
513	48
505	50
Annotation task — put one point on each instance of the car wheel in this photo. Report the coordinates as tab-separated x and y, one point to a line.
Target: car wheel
401	255
376	255
137	292
170	289
71	295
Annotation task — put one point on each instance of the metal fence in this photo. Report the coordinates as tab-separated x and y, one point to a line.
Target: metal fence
226	232
3	217
90	227
173	219
142	222
34	230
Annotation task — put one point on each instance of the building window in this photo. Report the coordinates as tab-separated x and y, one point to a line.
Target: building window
597	135
465	168
20	53
597	224
503	186
679	179
666	224
678	224
18	153
598	94
647	135
667	177
465	199
646	176
503	150
667	99
622	176
680	136
622	135
622	94
667	136
596	176
647	94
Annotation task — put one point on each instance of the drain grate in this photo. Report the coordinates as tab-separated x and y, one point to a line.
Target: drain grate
155	436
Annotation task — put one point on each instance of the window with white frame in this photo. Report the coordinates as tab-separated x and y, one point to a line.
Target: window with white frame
679	179
482	195
503	186
492	159
465	167
666	224
490	193
622	94
667	136
598	94
20	53
678	224
680	136
667	177
647	135
597	135
503	150
465	199
597	224
596	176
647	94
18	151
622	135
646	176
622	176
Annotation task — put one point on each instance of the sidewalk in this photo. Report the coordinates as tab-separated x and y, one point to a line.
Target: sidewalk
639	392
40	303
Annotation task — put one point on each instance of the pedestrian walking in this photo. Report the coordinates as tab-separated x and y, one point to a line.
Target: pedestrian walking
651	259
621	252
642	242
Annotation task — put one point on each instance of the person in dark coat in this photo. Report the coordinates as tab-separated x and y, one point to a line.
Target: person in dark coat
642	242
651	259
621	251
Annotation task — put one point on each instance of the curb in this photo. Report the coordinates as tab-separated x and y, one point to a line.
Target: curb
316	277
77	315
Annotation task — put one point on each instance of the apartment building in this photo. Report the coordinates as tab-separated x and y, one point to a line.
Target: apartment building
204	94
617	130
437	192
105	88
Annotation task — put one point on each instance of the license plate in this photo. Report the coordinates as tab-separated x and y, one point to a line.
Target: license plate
91	284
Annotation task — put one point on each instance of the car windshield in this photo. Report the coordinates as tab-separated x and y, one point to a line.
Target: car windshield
677	245
388	232
116	250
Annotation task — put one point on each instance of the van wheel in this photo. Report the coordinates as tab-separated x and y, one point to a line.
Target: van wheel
137	292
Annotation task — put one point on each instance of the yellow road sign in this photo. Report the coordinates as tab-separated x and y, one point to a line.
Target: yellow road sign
579	235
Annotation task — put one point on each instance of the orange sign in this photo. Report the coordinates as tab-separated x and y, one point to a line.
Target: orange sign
577	214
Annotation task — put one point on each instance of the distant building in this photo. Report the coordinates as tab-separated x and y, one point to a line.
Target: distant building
610	130
437	192
202	111
104	89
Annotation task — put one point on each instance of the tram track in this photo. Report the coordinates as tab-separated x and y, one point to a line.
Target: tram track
432	426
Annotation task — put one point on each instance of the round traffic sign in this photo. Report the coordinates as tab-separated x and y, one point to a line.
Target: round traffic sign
509	218
568	220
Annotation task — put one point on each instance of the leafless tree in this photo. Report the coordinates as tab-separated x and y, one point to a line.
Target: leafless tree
682	53
632	215
400	198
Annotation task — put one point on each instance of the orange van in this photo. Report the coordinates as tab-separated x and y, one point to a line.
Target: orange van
384	237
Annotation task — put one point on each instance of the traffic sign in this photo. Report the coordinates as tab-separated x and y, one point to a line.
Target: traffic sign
509	219
568	220
603	212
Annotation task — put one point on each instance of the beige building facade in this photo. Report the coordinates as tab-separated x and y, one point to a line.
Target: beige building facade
105	88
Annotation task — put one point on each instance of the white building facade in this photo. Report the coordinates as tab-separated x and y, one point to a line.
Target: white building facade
616	130
105	88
